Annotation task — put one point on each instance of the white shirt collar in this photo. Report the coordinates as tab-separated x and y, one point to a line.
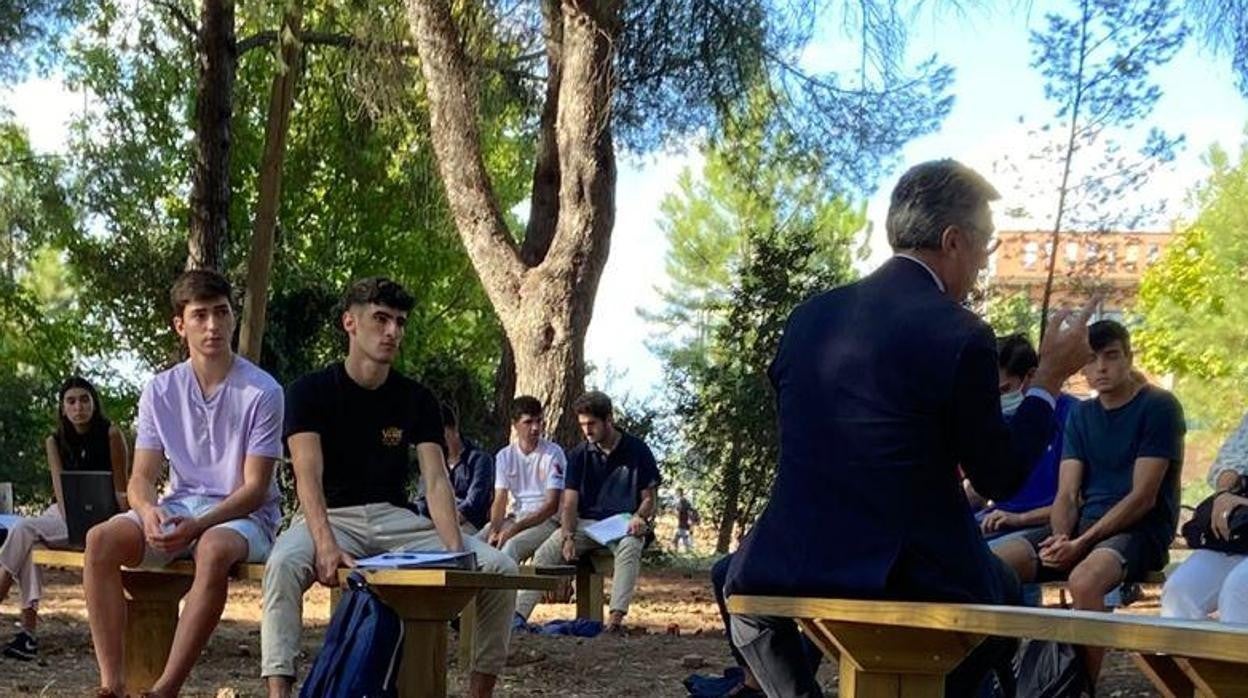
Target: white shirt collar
939	284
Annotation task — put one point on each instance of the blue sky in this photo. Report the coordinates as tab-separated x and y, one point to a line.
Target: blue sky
994	87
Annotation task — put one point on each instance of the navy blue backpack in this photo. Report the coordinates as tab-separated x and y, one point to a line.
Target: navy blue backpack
363	645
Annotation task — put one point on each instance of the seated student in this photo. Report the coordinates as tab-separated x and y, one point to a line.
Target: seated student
471	471
84	440
529	470
1209	580
1118	491
611	472
217	419
350	428
1029	507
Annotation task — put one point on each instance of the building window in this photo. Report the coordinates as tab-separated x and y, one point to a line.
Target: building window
1154	253
1093	252
1030	252
1072	252
1133	254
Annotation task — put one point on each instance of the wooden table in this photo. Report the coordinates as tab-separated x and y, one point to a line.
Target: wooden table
427	600
896	648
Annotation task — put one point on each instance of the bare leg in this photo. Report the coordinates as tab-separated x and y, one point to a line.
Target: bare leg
109	546
281	686
215	553
1089	581
30	619
1019	556
6	583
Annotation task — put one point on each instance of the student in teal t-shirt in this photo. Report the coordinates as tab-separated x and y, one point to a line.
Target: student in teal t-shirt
1118	489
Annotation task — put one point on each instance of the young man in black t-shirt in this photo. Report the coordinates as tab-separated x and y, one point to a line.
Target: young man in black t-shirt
610	473
350	429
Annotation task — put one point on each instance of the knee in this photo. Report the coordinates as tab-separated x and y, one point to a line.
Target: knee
629	548
1179	601
214	557
491	560
102	545
1088	587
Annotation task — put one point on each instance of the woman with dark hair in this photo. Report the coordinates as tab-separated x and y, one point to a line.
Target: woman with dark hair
84	440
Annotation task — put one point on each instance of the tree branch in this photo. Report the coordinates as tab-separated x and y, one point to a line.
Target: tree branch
187	23
453	125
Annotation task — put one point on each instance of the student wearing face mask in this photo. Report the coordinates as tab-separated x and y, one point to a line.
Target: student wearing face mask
1029	508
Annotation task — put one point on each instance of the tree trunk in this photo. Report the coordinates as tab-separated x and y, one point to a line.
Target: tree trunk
214	94
260	260
544	302
732	496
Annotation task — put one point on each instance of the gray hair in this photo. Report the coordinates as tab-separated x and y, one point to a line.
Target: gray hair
932	196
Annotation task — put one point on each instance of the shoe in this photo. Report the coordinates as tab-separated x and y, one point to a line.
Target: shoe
23	647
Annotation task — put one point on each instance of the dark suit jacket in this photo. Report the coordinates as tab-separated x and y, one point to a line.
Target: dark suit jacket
884	387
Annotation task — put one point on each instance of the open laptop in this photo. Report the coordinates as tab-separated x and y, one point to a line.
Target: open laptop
89	499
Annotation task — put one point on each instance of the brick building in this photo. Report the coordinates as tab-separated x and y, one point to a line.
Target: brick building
1110	263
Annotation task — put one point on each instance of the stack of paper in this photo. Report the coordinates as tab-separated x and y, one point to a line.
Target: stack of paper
435	559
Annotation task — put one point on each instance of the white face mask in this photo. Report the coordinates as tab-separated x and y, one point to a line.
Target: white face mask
1010	402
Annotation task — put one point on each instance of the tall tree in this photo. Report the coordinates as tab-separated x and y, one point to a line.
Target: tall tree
754	233
647	71
1096	63
217	62
1192	307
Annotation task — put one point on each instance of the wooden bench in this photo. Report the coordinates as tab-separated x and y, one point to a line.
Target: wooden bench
426	600
896	648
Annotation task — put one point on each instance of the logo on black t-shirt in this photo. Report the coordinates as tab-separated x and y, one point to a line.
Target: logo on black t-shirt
392	436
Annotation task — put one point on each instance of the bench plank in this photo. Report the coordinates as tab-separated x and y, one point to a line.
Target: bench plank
73	560
1199	639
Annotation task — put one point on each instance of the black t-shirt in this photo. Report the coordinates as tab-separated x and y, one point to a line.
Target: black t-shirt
367	436
612	483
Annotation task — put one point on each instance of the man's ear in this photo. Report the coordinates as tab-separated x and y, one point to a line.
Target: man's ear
179	326
949	238
348	321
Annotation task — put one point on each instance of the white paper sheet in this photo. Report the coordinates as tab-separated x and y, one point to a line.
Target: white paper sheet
609	529
407	560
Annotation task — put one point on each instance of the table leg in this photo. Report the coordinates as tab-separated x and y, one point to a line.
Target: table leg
151	619
425	611
589	593
880	662
1165	674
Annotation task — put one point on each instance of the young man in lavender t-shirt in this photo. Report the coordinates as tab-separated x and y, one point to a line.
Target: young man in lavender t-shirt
217	419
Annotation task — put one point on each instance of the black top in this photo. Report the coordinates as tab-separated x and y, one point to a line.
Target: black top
91	451
883	388
472	479
611	483
367	436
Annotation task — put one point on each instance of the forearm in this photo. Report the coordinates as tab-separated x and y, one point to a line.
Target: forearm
315	512
141	493
646	509
238	505
568	519
498	510
537	517
1035	517
1226	480
1126	512
445	517
1063	516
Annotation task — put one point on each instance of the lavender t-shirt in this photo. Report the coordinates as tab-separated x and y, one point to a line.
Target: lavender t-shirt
206	440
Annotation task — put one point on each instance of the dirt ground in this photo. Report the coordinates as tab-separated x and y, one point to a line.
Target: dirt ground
649	662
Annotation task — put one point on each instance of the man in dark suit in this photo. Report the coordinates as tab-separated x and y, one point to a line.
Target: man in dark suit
884	387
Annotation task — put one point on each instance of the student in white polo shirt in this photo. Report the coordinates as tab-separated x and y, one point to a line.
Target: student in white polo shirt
528	472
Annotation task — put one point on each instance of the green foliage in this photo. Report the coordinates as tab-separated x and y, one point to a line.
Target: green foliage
1013	314
751	237
1192	307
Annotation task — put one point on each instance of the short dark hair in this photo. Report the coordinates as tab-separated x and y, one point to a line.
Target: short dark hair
449	417
525	404
1016	356
930	197
594	404
1102	333
379	290
198	285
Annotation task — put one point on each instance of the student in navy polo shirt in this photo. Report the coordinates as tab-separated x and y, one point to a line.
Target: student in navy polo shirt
611	472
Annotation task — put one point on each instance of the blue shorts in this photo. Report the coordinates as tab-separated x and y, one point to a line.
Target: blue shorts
259	541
